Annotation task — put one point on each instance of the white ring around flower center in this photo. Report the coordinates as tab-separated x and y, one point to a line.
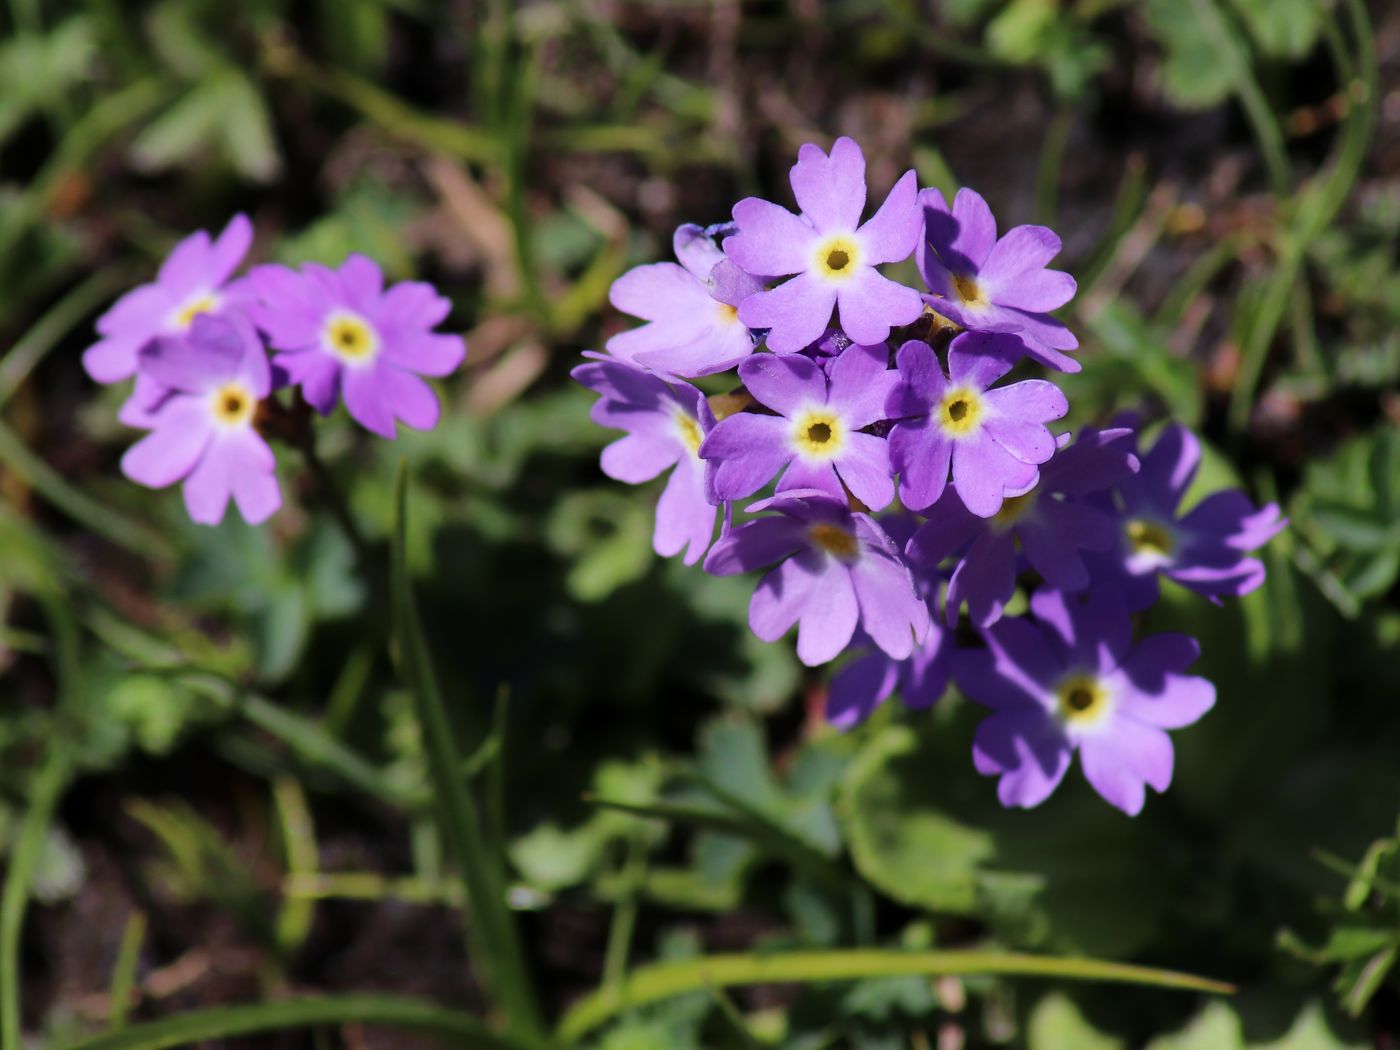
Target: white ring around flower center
818	434
837	257
349	338
232	405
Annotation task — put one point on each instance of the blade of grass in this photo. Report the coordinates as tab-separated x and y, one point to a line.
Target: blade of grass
124	971
651	984
299	844
32	347
227	1022
498	956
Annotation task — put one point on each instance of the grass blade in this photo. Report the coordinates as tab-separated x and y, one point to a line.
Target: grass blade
651	984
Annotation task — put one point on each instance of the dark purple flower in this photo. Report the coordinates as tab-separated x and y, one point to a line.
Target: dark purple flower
815	438
665	424
1050	530
344	334
203	430
692	312
837	570
832	256
1072	679
193	280
992	439
1206	550
870	679
991	285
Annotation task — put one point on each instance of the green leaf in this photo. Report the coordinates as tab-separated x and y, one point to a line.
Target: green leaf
1056	1023
1282	28
1197	70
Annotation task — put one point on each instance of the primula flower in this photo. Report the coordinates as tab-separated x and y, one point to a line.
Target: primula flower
1051	531
344	334
992	439
1205	550
665	426
870	679
192	281
990	285
837	570
692	312
815	438
1072	680
203	430
832	256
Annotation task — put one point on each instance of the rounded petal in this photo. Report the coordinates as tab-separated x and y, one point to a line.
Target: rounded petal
976	230
892	233
796	313
786	383
782	595
367	400
864	467
639	457
859	688
979	359
828	619
685	519
861	384
984	473
771	240
870	304
747	451
1027	750
1122	758
755	544
921	454
171	450
829	190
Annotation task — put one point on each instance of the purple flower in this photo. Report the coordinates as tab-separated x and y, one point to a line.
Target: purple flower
1205	551
816	436
692	311
344	334
870	679
1073	680
1051	531
837	570
204	431
665	426
833	258
192	281
991	285
992	439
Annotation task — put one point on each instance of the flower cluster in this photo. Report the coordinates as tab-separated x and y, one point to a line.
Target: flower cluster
915	476
196	342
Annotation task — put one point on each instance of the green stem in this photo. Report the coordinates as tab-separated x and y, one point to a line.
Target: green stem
1052	159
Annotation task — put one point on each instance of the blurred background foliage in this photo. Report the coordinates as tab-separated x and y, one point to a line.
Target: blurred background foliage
238	783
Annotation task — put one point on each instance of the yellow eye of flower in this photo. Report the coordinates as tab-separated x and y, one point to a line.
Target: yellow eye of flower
961	412
233	404
689	428
200	304
727	314
969	291
818	434
1083	700
1147	537
835	540
351	338
837	257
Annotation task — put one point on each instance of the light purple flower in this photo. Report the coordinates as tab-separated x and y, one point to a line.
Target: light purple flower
832	256
665	425
692	312
1052	532
816	437
345	335
992	439
991	285
1072	680
192	281
203	430
837	570
1206	550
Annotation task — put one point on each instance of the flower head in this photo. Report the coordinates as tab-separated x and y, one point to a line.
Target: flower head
816	437
203	431
991	439
1205	550
691	310
837	570
831	256
1072	680
343	333
991	285
1048	524
665	425
193	280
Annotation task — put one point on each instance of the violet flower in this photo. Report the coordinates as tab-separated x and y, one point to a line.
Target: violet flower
665	424
203	432
691	310
1206	550
1072	680
1050	530
837	570
990	285
816	437
344	334
992	439
832	256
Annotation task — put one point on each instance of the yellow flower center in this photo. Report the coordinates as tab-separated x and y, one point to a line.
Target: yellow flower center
836	541
232	404
837	257
1147	537
961	412
689	429
350	338
203	303
818	434
969	291
727	314
1013	509
1082	700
